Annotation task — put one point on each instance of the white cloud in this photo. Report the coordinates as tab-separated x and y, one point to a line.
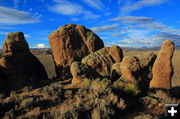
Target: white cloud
67	8
13	16
40	45
133	19
72	9
140	4
141	32
90	15
27	36
94	4
105	28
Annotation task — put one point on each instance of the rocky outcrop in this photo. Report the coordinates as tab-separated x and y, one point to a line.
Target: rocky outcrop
116	53
135	69
130	66
18	65
146	63
81	71
71	43
15	42
101	61
163	68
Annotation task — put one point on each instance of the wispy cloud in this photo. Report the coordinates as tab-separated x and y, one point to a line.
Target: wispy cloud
72	9
140	4
105	28
133	31
67	8
94	4
7	27
133	19
13	16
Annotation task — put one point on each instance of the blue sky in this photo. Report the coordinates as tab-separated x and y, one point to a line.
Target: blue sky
127	23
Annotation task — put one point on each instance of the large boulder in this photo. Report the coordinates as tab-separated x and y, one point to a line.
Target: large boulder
163	68
19	66
101	61
71	43
15	42
130	66
116	53
81	71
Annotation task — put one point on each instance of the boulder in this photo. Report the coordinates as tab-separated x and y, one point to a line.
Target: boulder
136	69
71	43
81	71
15	42
146	63
101	61
130	66
163	68
19	66
116	71
116	53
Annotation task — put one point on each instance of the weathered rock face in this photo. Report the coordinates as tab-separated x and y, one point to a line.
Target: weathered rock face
130	66
18	65
163	68
116	71
15	43
116	53
136	69
146	63
72	43
101	61
81	71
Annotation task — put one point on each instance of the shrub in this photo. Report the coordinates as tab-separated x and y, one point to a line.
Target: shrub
100	84
127	87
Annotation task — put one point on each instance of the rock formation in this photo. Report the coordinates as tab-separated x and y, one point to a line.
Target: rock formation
163	68
15	42
101	61
146	63
81	71
116	53
130	66
72	43
18	65
136	69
